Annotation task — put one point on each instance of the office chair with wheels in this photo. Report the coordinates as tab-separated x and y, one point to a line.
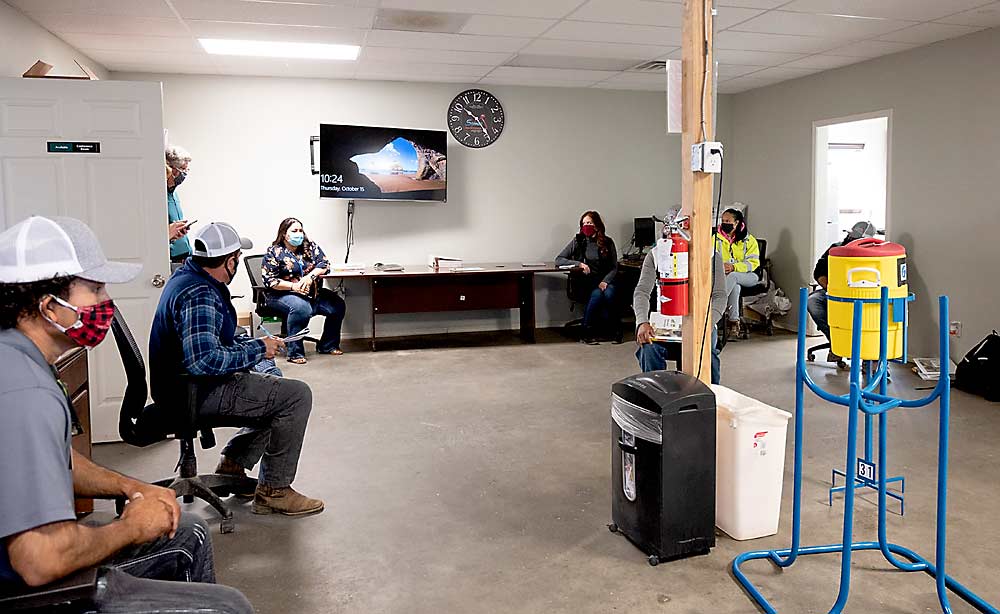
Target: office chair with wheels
760	288
252	264
140	425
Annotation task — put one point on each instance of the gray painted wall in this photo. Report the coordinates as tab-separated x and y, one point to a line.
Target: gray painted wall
945	161
22	42
563	151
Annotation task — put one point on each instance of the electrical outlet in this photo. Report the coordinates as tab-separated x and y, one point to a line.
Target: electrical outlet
955	329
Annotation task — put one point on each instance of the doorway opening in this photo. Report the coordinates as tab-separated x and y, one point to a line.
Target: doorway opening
850	177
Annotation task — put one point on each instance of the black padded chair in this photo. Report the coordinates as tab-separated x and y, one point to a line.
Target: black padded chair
760	288
252	264
73	594
140	425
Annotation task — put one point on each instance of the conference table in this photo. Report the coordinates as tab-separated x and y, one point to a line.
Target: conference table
474	286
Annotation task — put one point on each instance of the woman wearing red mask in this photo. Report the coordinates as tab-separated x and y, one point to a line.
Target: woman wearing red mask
591	282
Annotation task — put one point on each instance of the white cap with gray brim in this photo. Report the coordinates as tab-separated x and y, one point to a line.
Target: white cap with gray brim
40	248
217	239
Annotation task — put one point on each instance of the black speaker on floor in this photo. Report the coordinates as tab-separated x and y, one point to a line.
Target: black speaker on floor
663	464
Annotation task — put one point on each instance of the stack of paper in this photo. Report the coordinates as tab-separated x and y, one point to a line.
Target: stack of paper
347	266
929	369
443	262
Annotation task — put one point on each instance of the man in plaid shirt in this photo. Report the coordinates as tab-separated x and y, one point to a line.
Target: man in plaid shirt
194	333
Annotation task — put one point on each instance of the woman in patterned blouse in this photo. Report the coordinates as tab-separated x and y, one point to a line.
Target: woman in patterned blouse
291	269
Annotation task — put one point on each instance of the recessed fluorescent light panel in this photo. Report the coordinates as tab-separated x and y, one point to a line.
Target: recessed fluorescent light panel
277	49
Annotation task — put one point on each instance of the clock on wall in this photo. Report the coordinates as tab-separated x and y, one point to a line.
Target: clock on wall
475	118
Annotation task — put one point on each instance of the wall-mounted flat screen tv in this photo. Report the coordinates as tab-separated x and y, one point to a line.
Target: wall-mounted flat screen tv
366	162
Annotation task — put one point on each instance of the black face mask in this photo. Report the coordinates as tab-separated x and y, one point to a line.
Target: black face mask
727	228
232	274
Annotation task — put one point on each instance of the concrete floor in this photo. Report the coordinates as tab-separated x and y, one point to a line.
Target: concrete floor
474	478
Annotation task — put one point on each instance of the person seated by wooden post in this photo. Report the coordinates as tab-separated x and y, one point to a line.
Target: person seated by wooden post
155	559
740	258
652	354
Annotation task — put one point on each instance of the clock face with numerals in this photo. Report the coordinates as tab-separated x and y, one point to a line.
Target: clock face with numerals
475	118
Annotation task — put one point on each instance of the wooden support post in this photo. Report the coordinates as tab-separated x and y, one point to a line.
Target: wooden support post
696	188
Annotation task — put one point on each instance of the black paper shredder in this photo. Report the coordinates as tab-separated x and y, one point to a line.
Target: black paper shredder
663	464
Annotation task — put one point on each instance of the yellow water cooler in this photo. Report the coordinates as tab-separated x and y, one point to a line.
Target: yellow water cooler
859	270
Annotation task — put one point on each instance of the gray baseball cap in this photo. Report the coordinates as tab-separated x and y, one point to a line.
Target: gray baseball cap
44	248
861	229
217	239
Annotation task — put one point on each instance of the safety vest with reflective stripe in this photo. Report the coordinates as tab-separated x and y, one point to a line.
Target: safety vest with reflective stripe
743	255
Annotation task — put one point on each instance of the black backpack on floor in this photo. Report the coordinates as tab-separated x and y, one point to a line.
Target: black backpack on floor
979	371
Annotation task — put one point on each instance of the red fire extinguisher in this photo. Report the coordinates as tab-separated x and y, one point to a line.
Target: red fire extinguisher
673	280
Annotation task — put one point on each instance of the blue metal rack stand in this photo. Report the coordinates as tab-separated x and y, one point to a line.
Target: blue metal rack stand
865	474
864	399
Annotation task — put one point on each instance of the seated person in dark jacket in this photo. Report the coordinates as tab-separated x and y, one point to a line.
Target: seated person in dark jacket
592	281
817	300
194	334
291	271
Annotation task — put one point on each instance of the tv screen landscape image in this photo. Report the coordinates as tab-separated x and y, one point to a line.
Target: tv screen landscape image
366	162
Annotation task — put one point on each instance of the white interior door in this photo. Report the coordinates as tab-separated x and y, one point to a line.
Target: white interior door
120	193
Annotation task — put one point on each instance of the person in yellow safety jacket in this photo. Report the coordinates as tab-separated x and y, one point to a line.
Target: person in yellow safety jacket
740	258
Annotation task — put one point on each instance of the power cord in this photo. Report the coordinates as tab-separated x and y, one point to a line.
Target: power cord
708	313
350	242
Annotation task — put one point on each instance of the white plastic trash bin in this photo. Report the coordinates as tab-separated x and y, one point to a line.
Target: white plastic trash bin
750	464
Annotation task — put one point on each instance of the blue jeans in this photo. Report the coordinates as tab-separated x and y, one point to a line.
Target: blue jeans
173	575
653	357
600	309
298	310
817	310
734	283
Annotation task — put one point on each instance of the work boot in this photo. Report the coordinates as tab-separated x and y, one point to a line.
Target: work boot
831	357
229	467
286	501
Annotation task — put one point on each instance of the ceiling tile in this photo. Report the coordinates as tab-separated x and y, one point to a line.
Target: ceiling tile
754	58
62	23
635	81
155	60
282	67
985	16
257	31
829	26
554	74
731	71
869	49
638	12
614	33
915	10
118	8
573	62
496	25
113	42
753	41
780	73
742	84
276	13
420	70
926	33
455	42
552	9
544	46
436	56
823	62
752	4
728	17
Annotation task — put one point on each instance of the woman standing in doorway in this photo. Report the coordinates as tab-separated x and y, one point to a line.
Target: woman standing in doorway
593	254
291	270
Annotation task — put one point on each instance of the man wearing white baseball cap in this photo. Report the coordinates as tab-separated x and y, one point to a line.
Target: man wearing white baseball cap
194	334
53	298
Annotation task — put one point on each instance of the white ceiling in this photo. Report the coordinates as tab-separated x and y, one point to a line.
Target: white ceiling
575	43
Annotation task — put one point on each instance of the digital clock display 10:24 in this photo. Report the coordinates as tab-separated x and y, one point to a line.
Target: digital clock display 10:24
475	118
